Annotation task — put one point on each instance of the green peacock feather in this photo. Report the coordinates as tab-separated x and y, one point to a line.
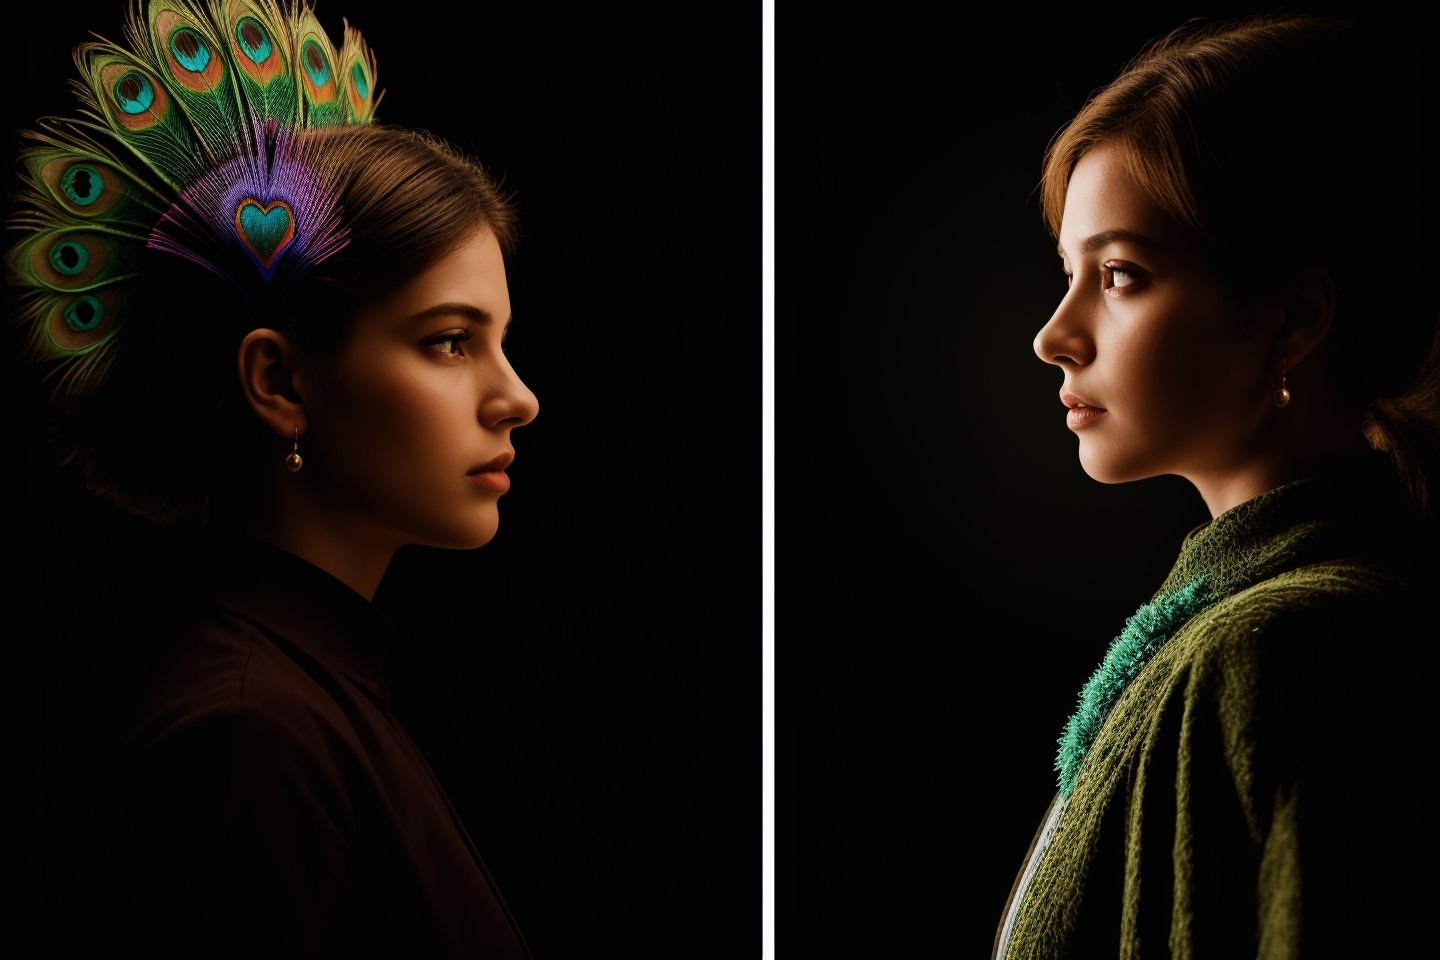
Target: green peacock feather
183	143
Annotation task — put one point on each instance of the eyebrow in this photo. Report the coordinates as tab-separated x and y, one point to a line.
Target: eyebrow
472	313
1105	237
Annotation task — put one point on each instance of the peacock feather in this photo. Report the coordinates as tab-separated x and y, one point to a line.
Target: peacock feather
185	142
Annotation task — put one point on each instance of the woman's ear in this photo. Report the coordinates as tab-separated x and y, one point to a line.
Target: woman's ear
272	379
1307	308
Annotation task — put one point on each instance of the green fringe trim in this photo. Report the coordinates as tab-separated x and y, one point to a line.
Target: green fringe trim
1145	632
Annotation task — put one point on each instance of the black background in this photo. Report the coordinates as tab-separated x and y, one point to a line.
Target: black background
587	686
947	575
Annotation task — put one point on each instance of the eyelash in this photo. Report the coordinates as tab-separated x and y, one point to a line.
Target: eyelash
461	338
452	338
1113	270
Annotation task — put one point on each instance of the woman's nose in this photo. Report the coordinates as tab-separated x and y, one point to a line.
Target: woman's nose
1063	337
524	404
530	408
505	397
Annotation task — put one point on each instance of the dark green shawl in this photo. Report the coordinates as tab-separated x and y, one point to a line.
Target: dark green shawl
1254	789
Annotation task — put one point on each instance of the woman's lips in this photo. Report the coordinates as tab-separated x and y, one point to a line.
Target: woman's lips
1077	417
495	480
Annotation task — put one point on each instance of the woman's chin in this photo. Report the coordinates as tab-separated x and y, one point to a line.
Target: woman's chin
480	537
1102	465
1106	466
471	536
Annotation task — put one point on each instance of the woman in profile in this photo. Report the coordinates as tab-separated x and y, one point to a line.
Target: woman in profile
1251	305
277	319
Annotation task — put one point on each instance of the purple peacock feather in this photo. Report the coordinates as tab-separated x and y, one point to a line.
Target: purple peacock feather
268	207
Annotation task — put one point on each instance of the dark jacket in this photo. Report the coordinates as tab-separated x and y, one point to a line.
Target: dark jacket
273	805
1254	790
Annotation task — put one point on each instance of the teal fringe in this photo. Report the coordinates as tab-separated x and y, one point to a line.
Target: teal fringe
1145	632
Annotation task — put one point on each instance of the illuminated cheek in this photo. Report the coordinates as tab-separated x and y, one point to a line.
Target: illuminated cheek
1144	379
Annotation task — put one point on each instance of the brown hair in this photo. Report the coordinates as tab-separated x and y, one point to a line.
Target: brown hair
170	437
1284	140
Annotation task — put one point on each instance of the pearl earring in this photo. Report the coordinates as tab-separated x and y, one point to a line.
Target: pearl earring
1282	396
293	461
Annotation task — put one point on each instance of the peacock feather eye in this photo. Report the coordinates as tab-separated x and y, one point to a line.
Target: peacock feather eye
254	41
76	259
84	314
85	187
134	93
83	183
69	257
203	90
79	324
190	50
315	63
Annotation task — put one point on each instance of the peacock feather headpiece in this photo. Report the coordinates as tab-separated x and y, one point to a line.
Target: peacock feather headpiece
186	144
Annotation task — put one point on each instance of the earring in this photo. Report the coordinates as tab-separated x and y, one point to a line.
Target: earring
293	461
1282	396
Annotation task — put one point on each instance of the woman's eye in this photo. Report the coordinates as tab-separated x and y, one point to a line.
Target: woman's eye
1129	277
456	339
1127	274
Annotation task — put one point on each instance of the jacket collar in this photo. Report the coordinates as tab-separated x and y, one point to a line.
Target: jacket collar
314	611
1354	506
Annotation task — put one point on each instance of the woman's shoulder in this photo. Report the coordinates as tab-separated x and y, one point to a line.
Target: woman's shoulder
230	807
1331	598
1345	636
209	670
1326	659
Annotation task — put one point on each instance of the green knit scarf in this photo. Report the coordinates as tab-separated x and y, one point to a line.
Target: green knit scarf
1145	632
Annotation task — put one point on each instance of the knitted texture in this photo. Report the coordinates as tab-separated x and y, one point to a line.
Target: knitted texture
1145	632
1228	784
